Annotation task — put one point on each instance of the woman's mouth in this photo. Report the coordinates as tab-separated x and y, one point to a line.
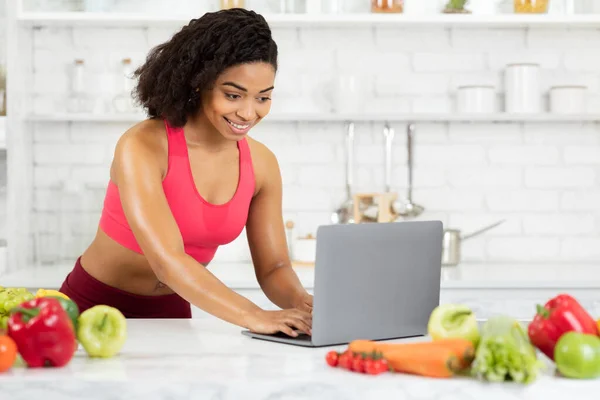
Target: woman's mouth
238	129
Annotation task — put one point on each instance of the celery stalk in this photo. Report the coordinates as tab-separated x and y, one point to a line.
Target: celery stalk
505	353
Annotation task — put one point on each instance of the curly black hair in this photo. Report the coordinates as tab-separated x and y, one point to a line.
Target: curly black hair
195	56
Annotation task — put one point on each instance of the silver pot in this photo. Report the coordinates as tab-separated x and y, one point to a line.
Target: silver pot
452	242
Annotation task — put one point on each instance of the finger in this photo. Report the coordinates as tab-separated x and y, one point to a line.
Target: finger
300	325
287	330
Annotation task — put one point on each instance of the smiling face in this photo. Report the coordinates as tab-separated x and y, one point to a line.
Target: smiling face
239	99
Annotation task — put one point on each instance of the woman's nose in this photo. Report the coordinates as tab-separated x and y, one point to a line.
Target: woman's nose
246	112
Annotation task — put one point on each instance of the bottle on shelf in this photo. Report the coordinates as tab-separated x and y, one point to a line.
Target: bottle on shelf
387	6
79	100
123	102
531	6
227	4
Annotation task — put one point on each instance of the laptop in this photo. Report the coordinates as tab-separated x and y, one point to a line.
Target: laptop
373	281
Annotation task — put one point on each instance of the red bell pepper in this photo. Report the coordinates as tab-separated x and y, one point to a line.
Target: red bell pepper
559	315
43	332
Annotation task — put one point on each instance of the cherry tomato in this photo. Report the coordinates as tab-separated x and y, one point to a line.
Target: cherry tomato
358	364
370	367
382	365
8	353
376	367
332	358
345	361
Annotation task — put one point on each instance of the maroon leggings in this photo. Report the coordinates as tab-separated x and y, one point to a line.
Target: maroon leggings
86	291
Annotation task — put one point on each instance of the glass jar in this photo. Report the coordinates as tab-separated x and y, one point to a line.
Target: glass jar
387	6
531	6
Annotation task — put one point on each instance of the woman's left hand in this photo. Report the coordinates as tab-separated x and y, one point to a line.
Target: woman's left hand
304	302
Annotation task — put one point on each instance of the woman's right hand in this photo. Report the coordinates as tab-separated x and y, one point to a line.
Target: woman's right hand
269	322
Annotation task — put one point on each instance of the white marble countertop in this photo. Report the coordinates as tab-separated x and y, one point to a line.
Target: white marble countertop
209	359
464	276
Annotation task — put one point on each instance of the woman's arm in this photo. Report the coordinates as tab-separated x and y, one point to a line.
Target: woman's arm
139	179
267	240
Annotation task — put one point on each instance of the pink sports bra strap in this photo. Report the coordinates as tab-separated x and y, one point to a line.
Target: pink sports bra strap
176	140
244	149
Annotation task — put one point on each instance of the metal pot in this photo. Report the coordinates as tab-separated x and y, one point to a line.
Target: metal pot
452	241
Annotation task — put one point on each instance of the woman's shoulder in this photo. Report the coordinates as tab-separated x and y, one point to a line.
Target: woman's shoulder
145	142
261	154
264	161
148	135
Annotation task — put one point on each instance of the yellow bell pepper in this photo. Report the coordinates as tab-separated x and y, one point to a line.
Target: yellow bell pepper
50	292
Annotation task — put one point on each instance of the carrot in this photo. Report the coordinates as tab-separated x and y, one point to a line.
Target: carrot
430	361
462	349
365	346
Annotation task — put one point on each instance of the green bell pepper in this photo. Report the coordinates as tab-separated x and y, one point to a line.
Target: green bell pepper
577	355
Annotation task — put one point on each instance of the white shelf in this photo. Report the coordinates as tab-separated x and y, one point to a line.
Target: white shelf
85	19
448	117
2	133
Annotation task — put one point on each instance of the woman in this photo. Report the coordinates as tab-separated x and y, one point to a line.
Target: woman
189	179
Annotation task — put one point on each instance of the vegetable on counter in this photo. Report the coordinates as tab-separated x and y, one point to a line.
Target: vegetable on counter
437	359
71	309
577	355
430	360
8	353
453	321
464	352
559	315
10	298
43	333
102	331
505	353
50	293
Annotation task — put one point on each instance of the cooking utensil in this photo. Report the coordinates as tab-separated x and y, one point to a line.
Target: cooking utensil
452	242
344	214
389	139
408	209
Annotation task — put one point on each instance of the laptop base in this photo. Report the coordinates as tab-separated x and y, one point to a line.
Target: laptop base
304	340
301	340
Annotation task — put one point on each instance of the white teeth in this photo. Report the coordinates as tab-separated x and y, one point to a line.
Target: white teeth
238	126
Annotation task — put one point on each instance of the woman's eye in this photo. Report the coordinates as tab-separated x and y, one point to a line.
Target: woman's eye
264	99
232	96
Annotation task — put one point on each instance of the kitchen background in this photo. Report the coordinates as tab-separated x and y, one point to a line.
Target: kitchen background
539	172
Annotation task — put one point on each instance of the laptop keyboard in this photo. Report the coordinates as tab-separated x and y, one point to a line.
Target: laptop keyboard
301	336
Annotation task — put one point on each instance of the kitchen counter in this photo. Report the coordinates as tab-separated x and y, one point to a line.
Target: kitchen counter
209	359
464	276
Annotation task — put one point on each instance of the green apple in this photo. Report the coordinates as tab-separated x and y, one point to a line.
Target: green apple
102	331
453	321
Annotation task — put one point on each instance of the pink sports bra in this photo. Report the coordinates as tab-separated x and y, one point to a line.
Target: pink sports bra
203	226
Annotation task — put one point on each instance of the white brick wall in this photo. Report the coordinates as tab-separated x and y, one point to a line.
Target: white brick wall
543	178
